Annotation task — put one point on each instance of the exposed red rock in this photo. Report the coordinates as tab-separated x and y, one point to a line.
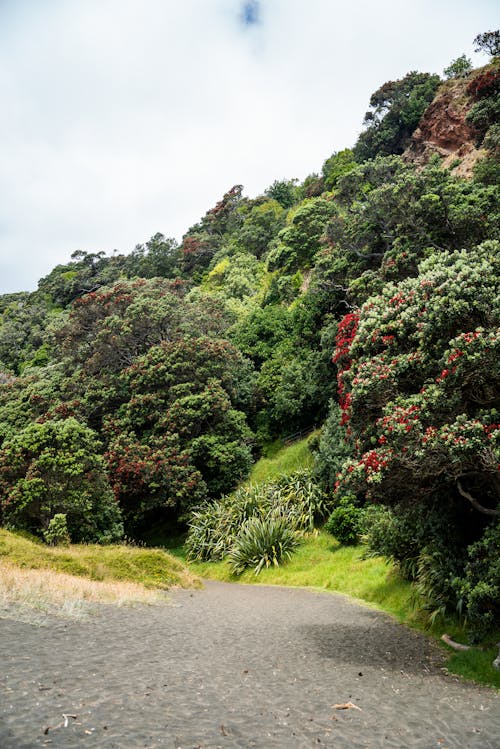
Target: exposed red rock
443	130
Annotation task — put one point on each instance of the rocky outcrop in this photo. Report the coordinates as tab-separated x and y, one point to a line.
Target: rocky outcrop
443	130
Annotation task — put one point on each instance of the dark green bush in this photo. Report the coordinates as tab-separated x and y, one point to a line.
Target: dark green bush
408	534
387	535
55	468
331	450
479	589
484	113
346	521
435	581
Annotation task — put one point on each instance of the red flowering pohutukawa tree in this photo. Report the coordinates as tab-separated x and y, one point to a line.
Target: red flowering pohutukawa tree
419	383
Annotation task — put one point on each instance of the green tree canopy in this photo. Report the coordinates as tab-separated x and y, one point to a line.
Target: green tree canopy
56	467
395	111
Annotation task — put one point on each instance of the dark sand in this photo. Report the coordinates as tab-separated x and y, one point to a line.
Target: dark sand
235	666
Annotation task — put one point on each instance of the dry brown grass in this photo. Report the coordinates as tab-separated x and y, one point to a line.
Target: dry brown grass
33	594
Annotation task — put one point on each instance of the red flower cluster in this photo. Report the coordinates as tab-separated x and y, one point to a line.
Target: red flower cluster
346	333
455	354
400	416
445	373
372	461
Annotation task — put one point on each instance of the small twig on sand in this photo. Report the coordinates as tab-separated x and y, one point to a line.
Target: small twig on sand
63	724
346	706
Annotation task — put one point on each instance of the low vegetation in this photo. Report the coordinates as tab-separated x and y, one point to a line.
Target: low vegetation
260	521
38	578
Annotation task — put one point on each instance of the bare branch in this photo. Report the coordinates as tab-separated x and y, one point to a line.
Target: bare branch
475	503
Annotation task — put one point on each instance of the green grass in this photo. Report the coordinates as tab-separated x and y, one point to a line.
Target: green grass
153	568
476	666
281	460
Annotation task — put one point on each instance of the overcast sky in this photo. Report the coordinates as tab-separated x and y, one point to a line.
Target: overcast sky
122	118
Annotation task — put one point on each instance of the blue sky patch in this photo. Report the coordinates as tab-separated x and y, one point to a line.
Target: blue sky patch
250	13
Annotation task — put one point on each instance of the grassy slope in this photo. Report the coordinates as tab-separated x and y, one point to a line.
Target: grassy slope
281	460
153	568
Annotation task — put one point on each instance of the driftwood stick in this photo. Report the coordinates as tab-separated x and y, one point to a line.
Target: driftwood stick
455	645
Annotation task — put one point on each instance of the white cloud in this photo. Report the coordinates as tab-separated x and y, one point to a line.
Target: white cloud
126	117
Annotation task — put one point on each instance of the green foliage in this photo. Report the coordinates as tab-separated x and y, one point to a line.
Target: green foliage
261	224
395	111
346	521
160	256
108	329
283	191
312	187
23	321
391	217
459	68
332	450
484	90
338	165
87	272
261	332
57	533
487	169
213	528
263	542
55	467
177	434
425	552
479	588
484	113
300	240
237	277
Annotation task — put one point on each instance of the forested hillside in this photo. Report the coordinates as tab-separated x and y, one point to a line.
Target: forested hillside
363	300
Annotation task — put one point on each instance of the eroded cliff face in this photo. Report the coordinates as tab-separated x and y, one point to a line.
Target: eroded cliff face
443	130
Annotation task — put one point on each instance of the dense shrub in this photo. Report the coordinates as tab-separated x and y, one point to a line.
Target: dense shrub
331	450
57	531
263	542
53	468
479	588
346	521
425	544
214	528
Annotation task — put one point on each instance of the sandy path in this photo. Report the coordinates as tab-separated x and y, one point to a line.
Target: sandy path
236	666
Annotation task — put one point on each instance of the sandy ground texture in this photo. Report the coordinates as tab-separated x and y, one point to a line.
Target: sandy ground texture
235	666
